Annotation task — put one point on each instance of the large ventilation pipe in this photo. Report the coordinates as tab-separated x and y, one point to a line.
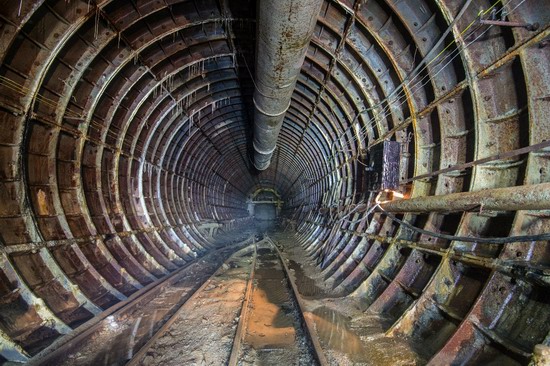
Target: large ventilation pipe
284	30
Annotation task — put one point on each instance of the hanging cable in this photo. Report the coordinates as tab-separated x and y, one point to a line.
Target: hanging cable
416	85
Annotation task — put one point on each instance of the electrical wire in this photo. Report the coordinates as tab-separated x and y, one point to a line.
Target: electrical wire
388	103
456	53
401	87
403	98
369	211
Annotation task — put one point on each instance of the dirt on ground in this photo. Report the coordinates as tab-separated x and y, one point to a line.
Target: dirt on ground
205	322
205	327
114	339
203	331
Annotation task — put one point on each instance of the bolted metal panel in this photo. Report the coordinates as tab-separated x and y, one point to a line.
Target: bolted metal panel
285	28
383	169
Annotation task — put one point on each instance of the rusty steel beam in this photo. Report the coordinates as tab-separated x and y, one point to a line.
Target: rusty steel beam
537	276
503	23
35	246
285	28
328	75
507	57
526	197
501	156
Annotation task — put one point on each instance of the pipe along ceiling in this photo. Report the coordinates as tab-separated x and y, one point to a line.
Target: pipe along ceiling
126	129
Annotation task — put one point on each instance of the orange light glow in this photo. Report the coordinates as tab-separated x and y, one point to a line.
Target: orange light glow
389	195
398	194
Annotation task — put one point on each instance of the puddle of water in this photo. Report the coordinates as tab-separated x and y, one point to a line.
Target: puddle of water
364	345
306	285
269	274
335	333
273	335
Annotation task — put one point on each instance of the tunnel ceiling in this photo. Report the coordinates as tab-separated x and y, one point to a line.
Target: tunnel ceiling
125	139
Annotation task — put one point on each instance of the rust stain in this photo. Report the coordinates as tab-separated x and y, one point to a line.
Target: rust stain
42	203
269	326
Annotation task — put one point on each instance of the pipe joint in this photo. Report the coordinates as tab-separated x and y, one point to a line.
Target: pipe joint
281	50
263	151
265	113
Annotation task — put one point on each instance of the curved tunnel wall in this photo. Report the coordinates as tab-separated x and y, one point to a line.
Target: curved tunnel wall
125	126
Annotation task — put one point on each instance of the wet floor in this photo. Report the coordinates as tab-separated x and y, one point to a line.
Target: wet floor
348	335
334	330
274	333
306	285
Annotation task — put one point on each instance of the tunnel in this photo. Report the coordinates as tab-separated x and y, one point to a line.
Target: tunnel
403	179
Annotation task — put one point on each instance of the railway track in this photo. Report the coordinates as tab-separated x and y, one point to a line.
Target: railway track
266	325
112	337
246	311
274	327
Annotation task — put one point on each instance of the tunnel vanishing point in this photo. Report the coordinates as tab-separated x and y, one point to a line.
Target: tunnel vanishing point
395	154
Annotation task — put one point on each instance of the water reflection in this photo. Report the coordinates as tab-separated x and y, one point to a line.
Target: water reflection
334	331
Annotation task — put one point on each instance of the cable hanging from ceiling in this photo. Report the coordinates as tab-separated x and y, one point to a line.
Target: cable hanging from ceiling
419	84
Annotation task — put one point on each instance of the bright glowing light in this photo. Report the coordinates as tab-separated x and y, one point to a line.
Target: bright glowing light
398	194
388	193
112	323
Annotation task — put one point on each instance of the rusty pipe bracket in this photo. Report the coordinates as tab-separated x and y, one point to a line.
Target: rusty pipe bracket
503	23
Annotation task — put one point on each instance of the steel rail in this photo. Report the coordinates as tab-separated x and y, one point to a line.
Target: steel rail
138	356
62	345
307	323
243	317
306	315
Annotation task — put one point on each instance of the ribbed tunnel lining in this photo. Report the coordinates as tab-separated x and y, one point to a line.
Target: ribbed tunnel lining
126	132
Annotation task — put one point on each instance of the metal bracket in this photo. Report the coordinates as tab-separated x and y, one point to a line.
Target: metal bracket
503	23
